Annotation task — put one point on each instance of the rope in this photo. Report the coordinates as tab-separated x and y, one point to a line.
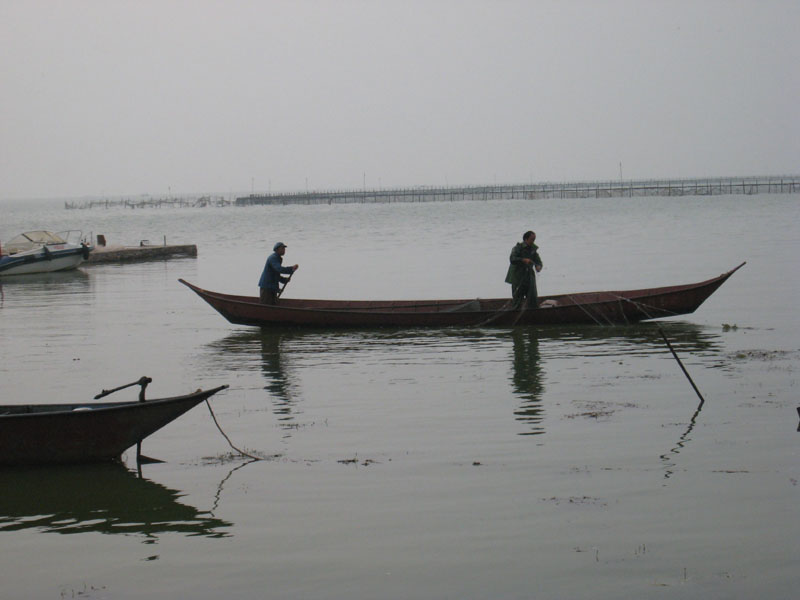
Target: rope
583	308
242	452
496	314
522	309
641	306
622	312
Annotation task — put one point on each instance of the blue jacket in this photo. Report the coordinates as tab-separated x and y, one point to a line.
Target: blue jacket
271	275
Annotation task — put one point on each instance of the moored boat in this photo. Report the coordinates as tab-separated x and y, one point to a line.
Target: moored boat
86	432
41	252
605	308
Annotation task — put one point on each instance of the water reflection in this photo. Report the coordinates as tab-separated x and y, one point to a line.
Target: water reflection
22	287
263	350
533	348
669	458
527	379
105	498
642	339
73	279
283	355
645	339
274	369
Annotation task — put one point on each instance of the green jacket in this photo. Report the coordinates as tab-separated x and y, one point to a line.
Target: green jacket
518	272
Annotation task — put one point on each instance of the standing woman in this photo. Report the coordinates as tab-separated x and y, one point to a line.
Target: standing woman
271	276
524	258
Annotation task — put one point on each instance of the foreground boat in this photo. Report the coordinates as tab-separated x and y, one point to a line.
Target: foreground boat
620	307
41	252
89	432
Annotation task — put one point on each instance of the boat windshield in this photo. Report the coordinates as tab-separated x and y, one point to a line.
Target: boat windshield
32	239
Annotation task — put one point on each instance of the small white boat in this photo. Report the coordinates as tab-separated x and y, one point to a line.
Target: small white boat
42	252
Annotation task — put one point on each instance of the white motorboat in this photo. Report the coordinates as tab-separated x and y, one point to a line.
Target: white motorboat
42	252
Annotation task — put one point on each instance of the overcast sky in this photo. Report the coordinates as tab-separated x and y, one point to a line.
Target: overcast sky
155	96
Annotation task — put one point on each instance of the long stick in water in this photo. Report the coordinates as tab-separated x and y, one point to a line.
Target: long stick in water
685	372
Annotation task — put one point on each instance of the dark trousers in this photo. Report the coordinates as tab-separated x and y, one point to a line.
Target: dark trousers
269	296
527	289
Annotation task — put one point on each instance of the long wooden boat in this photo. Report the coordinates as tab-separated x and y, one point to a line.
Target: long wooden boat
89	432
615	307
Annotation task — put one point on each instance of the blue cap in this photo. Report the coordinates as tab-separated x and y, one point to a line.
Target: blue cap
278	245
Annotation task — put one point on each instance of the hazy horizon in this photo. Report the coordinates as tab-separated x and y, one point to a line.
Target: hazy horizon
119	98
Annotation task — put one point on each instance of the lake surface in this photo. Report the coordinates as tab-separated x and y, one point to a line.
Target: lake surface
448	463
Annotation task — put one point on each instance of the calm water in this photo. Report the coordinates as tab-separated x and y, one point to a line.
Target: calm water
451	463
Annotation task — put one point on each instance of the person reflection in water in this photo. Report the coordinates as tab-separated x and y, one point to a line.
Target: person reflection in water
524	258
527	379
278	382
272	275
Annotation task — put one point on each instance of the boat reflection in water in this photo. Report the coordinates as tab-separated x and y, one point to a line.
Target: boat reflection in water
643	340
251	350
45	287
104	498
74	280
281	355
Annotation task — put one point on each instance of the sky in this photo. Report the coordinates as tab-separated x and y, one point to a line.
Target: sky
111	97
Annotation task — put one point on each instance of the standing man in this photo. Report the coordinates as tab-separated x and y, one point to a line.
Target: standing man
524	258
271	277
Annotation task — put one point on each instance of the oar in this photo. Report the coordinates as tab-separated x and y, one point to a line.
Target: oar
285	284
143	381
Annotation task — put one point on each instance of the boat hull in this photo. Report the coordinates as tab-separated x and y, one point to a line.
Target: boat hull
42	261
604	308
83	433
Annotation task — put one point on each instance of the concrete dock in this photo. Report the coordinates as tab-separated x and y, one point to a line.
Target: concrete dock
124	254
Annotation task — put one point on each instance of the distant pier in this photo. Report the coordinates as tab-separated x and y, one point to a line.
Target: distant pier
789	184
782	184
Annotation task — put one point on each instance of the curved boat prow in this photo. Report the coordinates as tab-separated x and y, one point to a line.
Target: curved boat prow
723	277
732	271
195	288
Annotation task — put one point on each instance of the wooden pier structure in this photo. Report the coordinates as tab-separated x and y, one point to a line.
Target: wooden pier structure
778	184
148	202
788	184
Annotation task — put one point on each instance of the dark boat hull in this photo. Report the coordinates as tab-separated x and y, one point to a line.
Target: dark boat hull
68	433
615	307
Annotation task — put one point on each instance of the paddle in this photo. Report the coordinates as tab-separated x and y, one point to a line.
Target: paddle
285	284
